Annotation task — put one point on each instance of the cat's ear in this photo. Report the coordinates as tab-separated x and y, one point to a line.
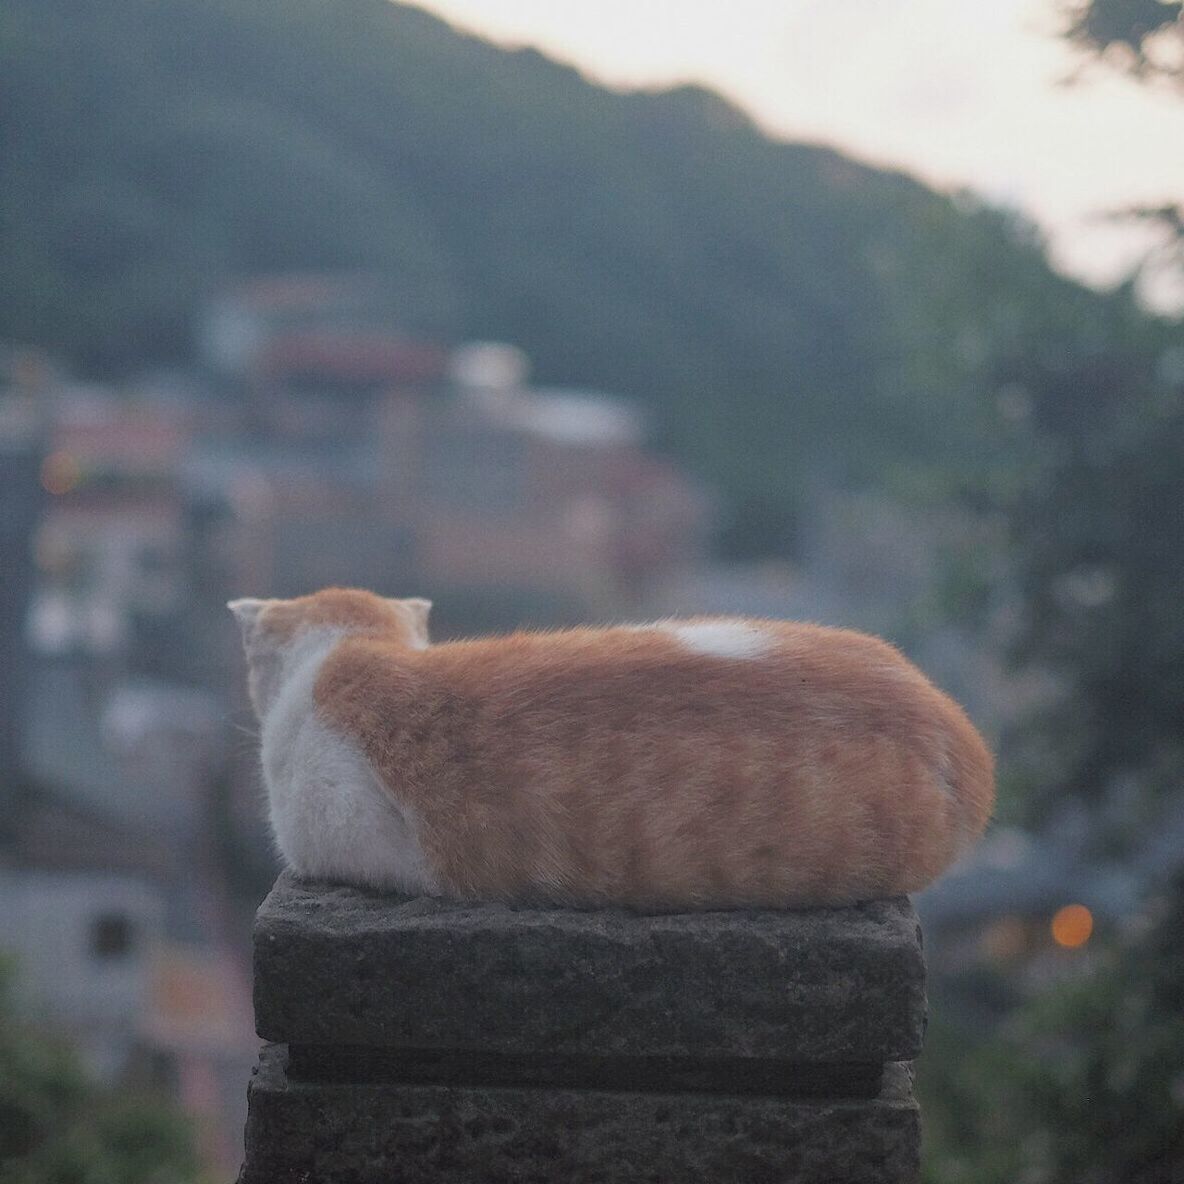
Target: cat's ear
264	658
246	613
418	609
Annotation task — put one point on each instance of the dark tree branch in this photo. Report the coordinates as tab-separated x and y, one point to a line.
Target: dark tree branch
1143	37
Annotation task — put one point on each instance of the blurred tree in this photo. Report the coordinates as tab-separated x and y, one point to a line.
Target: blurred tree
1098	545
1095	520
57	1127
1110	1091
1143	38
1086	1085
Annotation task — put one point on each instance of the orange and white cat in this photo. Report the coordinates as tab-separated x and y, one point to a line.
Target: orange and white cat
713	762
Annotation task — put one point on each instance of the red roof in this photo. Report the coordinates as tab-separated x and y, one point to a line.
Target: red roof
353	356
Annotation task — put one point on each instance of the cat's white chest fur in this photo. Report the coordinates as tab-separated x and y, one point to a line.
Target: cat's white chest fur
331	816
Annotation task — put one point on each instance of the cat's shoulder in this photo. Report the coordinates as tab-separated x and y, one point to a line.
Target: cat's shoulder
357	666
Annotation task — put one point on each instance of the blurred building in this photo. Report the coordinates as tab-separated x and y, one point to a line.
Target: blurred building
305	354
109	544
92	939
369	457
547	494
110	761
24	377
109	726
84	943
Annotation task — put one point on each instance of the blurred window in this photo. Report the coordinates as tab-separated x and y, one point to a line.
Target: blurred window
155	559
111	936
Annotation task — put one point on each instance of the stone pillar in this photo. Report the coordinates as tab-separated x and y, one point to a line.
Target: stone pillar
420	1040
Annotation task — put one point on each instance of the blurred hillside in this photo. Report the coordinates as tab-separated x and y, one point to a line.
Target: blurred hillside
788	316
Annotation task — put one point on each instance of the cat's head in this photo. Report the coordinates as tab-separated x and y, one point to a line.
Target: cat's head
273	629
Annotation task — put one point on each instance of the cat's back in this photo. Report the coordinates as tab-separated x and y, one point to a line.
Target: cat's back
804	694
728	759
747	664
714	653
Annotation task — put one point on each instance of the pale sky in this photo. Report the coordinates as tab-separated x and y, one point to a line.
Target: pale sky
963	93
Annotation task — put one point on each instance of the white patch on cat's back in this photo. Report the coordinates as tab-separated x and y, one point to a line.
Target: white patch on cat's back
722	639
331	816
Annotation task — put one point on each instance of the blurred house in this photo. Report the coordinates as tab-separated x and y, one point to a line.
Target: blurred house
109	543
79	913
367	456
108	725
101	956
283	497
305	354
549	494
84	943
112	761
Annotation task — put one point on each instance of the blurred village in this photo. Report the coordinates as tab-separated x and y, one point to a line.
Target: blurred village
317	444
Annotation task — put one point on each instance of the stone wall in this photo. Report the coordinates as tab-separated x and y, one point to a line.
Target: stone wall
420	1040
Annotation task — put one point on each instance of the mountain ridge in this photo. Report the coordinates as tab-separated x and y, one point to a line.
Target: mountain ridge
784	312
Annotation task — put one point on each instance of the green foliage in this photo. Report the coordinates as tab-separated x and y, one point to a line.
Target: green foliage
1085	1085
57	1127
1097	542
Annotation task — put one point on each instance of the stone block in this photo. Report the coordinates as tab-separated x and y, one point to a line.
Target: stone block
310	1133
426	1040
337	966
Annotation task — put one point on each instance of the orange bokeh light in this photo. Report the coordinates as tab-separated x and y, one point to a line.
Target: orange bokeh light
60	472
1072	925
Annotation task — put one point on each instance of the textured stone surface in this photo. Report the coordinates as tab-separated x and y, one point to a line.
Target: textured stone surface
336	966
404	1134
